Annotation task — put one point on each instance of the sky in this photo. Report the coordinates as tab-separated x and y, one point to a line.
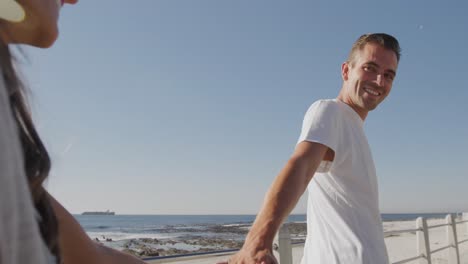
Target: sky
193	107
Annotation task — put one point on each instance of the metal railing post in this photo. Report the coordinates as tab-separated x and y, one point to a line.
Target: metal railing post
422	241
283	240
453	255
465	218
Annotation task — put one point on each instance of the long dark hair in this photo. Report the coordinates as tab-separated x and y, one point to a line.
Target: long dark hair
36	159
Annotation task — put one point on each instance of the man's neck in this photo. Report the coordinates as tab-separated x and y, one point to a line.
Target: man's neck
361	112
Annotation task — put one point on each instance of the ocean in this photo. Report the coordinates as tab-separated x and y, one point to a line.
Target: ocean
125	227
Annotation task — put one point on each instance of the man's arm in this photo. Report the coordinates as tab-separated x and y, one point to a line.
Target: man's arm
280	200
77	247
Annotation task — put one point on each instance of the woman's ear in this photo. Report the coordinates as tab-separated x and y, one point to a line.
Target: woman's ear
11	11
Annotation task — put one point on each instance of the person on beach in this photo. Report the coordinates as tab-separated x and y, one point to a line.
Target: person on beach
333	160
34	227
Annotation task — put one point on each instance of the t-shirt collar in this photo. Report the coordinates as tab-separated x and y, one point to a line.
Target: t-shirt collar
350	110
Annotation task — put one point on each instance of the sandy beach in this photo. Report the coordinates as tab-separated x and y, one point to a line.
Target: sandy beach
400	246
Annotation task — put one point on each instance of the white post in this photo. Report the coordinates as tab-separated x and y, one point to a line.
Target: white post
422	241
283	244
464	218
453	254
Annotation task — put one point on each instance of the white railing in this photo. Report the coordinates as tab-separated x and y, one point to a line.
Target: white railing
423	250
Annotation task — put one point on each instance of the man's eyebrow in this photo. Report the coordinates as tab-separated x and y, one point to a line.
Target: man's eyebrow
378	66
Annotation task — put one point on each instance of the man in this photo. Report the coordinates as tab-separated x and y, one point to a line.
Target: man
333	159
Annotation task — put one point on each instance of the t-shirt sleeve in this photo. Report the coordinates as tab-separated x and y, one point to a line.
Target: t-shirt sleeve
321	124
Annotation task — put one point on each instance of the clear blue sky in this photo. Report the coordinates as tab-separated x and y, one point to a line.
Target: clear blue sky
193	107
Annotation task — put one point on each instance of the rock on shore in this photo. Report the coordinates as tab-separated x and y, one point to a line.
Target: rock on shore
150	247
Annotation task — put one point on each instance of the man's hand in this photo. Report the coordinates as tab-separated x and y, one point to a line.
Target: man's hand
245	257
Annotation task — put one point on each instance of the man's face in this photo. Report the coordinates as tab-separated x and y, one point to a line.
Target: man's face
368	78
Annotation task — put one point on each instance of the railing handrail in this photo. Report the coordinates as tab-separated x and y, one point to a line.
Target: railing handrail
440	249
397	231
393	232
436	226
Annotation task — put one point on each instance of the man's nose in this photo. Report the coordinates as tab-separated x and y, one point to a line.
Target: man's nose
380	80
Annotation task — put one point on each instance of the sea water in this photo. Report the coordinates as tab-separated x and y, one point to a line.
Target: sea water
124	227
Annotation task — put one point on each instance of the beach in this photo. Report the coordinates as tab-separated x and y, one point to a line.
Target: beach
400	246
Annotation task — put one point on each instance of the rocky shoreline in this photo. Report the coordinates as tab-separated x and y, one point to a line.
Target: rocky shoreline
221	238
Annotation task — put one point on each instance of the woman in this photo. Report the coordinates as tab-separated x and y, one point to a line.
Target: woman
34	227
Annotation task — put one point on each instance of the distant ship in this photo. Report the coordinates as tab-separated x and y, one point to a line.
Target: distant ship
99	213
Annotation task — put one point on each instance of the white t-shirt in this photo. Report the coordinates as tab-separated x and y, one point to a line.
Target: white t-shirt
343	218
20	240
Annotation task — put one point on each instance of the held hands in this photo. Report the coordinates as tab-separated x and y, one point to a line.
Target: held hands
264	256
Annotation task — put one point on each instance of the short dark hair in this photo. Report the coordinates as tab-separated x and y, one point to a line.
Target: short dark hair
385	40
